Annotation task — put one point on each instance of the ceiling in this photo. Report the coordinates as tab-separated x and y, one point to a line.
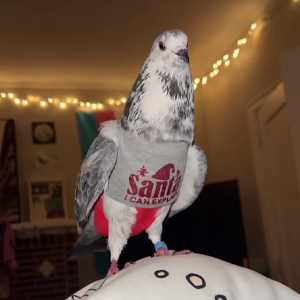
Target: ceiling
103	44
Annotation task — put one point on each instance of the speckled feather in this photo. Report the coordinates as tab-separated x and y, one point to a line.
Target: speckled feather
93	176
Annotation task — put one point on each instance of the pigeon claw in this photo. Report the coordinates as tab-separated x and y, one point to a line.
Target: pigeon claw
113	269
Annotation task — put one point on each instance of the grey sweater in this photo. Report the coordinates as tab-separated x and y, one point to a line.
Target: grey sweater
147	174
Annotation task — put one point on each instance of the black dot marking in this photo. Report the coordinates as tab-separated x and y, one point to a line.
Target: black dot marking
220	297
161	273
196	281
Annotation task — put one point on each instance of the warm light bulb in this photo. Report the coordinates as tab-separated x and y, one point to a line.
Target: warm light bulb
17	101
216	71
50	100
94	106
81	103
227	63
88	104
75	100
204	80
219	62
118	102
253	26
225	57
3	95
212	74
236	52
11	95
62	105
111	101
100	105
43	103
25	102
215	66
197	80
69	100
123	100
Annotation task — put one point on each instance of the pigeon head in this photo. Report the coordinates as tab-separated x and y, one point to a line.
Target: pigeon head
171	49
161	103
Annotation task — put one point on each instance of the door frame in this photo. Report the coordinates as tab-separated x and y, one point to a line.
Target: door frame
273	240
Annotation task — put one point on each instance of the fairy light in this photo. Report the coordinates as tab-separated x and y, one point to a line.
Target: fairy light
242	42
56	101
217	66
236	52
204	80
111	101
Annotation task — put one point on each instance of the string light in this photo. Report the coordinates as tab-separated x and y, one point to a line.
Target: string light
123	100
225	58
236	52
204	80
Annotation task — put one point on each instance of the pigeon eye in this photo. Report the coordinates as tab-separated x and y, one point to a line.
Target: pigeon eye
162	46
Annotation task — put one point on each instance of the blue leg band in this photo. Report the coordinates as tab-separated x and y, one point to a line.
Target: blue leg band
159	245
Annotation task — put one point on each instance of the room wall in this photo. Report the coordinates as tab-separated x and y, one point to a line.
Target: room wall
223	102
67	146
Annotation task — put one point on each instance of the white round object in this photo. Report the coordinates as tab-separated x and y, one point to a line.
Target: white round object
187	276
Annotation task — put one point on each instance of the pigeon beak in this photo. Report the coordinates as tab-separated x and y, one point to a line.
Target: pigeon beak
183	54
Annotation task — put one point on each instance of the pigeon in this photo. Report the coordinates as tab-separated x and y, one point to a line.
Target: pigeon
144	168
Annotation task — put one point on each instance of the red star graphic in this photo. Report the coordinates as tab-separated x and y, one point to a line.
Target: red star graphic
143	171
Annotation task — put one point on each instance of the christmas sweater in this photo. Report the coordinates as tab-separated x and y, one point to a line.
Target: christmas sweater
147	174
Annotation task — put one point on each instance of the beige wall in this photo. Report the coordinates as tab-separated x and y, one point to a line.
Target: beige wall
67	147
223	102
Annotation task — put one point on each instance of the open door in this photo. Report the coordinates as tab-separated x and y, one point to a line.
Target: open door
278	184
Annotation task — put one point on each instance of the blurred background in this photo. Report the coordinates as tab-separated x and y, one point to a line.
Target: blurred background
66	66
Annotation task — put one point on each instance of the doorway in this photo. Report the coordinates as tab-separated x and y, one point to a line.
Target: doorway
277	182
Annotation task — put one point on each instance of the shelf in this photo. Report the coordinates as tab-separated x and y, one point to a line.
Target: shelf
45	225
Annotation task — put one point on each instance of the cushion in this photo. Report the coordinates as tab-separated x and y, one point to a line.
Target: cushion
187	276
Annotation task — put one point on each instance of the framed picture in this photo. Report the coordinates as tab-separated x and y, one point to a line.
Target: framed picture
43	133
47	201
9	182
